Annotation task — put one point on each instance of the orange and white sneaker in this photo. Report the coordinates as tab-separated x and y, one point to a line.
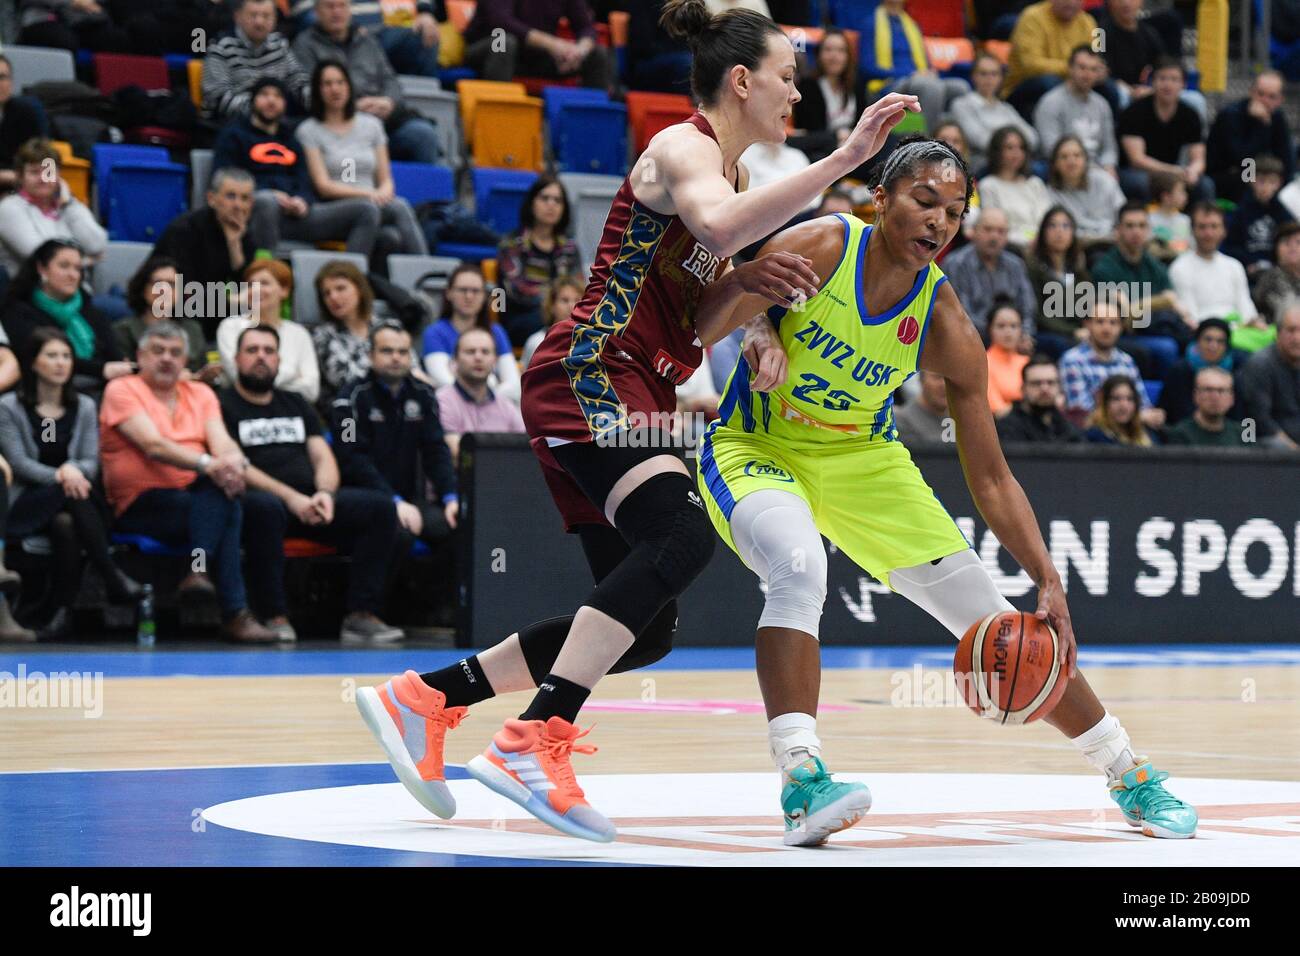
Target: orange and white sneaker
410	720
528	762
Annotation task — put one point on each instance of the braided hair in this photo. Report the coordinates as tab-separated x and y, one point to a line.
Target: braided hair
913	153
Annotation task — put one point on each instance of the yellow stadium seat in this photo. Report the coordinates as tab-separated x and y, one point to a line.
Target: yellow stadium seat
472	92
508	134
75	171
194	71
489	269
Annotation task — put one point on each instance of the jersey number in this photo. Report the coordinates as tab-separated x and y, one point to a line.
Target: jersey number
836	400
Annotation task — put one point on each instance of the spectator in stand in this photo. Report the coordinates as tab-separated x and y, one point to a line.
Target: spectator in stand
1037	417
1270	382
47	292
342	338
561	297
10	581
950	133
1006	359
253	51
1155	130
283	203
397	445
509	38
893	50
151	295
9	369
535	255
347	158
1129	265
1058	273
72	25
981	112
1073	109
50	437
293	491
831	98
172	472
1133	46
983	270
1040	50
1209	425
1086	366
1256	220
1215	285
22	118
1090	194
465	306
337	36
212	245
1247	129
43	208
1171	228
468	404
269	283
1210	350
409	31
1282	282
1115	420
925	418
1010	186
656	61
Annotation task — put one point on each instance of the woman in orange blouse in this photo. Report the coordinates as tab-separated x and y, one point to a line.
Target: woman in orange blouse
1005	360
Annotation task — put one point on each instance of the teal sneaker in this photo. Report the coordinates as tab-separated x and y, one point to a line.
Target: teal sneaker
1145	803
816	806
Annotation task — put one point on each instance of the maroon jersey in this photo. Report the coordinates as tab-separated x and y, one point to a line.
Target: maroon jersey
631	340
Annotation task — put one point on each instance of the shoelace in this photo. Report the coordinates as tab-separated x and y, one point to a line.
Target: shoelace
451	717
821	784
1154	798
558	749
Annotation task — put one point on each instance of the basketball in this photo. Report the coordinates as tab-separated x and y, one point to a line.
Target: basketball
1010	667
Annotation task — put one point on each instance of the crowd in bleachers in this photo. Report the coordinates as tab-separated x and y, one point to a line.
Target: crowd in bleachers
259	327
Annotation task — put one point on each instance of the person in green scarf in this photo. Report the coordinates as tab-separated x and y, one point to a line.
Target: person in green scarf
48	291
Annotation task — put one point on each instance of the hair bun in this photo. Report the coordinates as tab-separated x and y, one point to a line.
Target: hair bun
685	19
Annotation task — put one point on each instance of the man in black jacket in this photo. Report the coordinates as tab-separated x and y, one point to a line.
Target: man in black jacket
388	437
1247	129
212	244
1037	417
283	202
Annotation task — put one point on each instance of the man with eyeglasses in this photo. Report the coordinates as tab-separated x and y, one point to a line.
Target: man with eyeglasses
1210	425
1248	128
21	119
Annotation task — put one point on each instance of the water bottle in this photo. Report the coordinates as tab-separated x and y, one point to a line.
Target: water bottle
144	633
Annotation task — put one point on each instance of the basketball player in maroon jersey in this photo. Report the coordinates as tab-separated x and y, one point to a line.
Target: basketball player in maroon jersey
661	288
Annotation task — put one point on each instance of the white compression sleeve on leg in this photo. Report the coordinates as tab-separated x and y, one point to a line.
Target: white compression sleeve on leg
776	536
956	591
1107	747
792	739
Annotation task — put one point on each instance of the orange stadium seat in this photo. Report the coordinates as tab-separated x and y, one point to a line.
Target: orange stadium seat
618	27
472	92
76	171
306	548
194	73
508	134
460	13
648	113
945	52
1000	49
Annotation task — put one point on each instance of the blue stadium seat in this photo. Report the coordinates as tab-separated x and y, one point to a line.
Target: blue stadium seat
143	198
104	156
419	549
555	98
453	75
470	252
591	138
147	545
422	182
498	195
1154	388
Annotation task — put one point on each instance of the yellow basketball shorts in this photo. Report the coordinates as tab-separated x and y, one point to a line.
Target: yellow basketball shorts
870	500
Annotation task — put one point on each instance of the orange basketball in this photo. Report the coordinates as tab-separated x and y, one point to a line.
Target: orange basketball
1010	667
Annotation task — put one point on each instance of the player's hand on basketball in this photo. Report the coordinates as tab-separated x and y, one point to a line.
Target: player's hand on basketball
784	278
764	354
1053	609
876	123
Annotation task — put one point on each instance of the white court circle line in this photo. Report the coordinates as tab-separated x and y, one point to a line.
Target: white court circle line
733	819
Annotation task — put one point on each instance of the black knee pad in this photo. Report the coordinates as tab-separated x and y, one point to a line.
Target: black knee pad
671	542
652	644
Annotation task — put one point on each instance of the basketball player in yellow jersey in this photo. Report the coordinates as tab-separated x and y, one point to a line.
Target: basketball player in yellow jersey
812	450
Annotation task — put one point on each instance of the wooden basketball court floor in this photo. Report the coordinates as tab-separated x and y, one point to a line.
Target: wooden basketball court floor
257	757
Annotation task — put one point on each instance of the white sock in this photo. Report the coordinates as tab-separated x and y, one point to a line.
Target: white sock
792	739
1106	746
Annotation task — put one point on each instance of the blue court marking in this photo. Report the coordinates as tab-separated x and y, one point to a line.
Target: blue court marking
304	662
148	818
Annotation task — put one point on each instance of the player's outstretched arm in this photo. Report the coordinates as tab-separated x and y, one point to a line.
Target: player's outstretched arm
953	349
